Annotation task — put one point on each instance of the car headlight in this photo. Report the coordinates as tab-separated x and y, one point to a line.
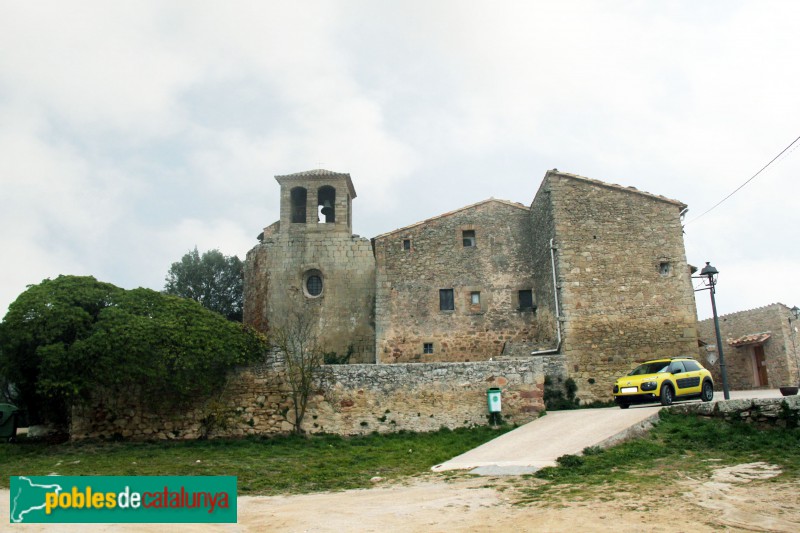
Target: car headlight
649	385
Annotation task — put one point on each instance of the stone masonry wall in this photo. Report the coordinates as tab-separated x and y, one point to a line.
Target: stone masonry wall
254	401
426	396
779	412
275	272
543	231
779	354
351	399
626	292
312	181
409	280
277	269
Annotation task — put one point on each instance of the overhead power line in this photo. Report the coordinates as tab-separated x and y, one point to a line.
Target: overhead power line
746	182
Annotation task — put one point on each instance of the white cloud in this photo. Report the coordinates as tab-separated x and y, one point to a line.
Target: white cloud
98	66
131	132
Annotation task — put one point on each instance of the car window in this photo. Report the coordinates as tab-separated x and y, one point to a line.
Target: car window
691	366
677	366
650	368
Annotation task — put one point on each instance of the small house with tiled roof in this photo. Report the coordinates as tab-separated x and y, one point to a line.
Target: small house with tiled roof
760	347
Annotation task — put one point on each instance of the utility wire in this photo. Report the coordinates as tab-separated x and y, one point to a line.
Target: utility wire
746	182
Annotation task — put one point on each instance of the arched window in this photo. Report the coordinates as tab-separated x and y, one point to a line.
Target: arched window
298	197
326	204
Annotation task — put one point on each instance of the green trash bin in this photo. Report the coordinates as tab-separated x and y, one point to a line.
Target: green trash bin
495	405
8	421
493	399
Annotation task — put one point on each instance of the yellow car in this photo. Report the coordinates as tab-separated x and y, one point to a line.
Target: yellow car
664	380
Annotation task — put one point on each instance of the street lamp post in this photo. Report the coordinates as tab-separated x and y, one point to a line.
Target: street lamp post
709	276
793	334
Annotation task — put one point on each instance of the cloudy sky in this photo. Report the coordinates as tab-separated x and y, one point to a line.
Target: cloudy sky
131	132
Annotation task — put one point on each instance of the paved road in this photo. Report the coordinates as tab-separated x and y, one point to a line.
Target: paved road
539	443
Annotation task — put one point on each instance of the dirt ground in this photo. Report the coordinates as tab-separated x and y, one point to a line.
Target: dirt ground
740	498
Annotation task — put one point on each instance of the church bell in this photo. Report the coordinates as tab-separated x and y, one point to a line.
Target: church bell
327	208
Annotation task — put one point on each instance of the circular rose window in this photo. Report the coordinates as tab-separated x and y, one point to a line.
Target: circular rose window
312	283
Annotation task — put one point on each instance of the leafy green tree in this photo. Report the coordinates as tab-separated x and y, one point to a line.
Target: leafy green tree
213	279
43	321
65	339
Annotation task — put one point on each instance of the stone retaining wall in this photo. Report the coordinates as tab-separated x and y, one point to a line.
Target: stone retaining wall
781	412
350	400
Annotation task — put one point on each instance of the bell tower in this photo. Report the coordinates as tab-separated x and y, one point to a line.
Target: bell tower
316	201
310	263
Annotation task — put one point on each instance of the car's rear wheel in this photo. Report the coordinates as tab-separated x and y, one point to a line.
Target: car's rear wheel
667	396
708	392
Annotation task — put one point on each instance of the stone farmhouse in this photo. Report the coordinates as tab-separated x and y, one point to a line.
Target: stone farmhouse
590	272
760	347
584	282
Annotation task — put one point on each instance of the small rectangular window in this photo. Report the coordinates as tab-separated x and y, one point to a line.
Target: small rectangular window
664	268
475	298
468	237
446	301
526	300
406	244
427	347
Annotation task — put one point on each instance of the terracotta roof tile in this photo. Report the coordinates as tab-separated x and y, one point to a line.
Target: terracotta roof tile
753	338
319	174
313	172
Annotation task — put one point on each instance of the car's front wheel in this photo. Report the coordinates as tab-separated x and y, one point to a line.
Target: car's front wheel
623	405
667	396
708	392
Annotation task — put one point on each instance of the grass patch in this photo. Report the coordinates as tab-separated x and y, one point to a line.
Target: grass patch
264	465
679	446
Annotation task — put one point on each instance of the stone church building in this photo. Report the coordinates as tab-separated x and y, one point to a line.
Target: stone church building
590	272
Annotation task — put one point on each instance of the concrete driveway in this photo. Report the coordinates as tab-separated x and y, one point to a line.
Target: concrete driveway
539	443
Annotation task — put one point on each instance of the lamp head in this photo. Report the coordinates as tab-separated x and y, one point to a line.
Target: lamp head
795	312
709	272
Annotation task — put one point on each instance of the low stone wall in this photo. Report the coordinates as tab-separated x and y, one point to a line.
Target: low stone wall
780	412
253	401
425	396
349	400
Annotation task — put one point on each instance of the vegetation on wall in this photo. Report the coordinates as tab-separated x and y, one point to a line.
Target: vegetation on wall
334	358
212	279
65	339
559	394
295	337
